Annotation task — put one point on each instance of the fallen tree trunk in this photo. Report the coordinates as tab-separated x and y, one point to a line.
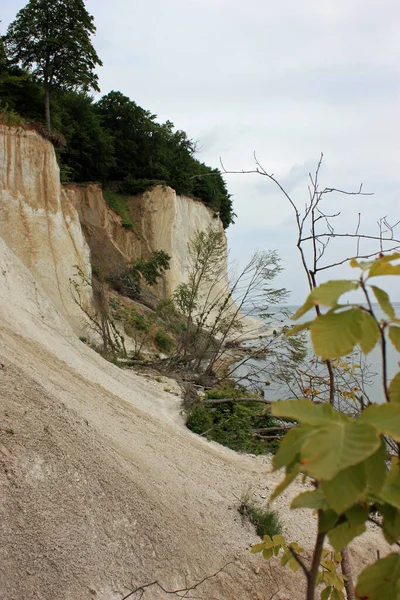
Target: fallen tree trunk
276	429
233	400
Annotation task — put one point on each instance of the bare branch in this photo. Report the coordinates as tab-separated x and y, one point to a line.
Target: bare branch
178	592
302	564
379	238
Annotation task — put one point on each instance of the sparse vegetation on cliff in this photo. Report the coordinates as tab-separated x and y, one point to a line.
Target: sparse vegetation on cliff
234	424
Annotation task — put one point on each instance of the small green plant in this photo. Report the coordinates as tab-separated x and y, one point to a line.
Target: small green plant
265	521
162	340
292	555
345	456
66	173
9	116
10	431
129	281
118	203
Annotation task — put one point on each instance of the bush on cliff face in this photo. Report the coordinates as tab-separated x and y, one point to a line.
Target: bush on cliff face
232	424
129	281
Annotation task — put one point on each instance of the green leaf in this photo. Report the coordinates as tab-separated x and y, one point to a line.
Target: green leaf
293	564
385	417
391	522
346	488
357	515
329	293
394	389
394	336
257	548
337	557
342	534
285	559
296	547
337	594
314	499
308	305
375	469
382	266
279	540
380	581
384	301
335	334
268	553
327	519
370	333
297	328
326	294
290	446
326	593
289	477
332	449
388	257
391	489
267	540
363	264
306	412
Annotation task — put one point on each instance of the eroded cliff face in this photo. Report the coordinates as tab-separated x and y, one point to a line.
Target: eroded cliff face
53	229
168	222
162	221
37	221
111	245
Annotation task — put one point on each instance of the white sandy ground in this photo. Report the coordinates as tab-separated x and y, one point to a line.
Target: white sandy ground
101	485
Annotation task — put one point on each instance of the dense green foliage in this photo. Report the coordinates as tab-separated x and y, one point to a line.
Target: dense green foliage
129	281
232	424
111	141
52	40
162	340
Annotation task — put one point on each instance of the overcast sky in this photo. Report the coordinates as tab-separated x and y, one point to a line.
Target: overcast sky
286	80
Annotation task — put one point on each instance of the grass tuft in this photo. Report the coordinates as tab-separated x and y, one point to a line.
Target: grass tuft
118	203
265	521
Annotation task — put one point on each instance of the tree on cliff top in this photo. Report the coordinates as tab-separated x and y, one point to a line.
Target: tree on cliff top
52	39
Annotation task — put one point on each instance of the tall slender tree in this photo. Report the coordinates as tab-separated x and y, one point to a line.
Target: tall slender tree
52	39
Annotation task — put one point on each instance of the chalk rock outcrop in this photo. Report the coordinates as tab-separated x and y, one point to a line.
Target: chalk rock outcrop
37	221
162	219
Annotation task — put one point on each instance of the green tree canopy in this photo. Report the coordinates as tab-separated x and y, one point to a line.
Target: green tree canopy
52	39
147	152
88	154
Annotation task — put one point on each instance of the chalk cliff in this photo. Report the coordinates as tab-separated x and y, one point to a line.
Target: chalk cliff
53	228
37	221
162	219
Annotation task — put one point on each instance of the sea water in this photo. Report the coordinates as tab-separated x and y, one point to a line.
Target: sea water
374	387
